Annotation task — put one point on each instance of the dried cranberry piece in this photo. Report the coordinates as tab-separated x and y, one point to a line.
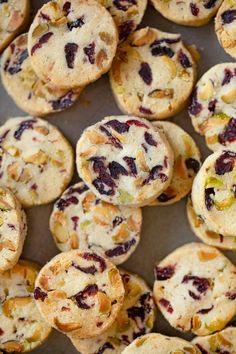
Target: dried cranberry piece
27	124
75	220
79	190
166	40
184	60
87	270
104	347
66	7
112	140
100	168
42	40
70	52
225	163
201	284
146	73
1	332
195	107
44	16
100	186
116	170
205	311
159	50
149	139
229	133
17	68
166	303
192	164
209	202
62	204
137	123
81	297
227	77
117	221
121	249
231	295
164	273
194	296
228	16
145	110
96	258
212	105
136	312
39	294
194	9
75	24
3	1
4	135
63	102
156	173
209	4
118	126
89	51
125	29
202	350
131	164
163	197
124	5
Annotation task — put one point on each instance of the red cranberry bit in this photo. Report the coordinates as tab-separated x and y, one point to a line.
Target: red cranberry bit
63	102
66	8
118	126
27	124
1	332
62	204
195	107
137	123
194	9
89	51
149	139
44	39
209	4
229	133
116	170
205	311
17	67
157	49
225	163
194	296
4	135
202	350
184	60
228	16
163	198
131	164
102	188
231	295
70	52
3	1
212	105
100	168
165	303
112	140
124	5
105	346
39	294
87	270
192	164
209	202
117	221
164	273
227	77
136	312
96	258
44	16
145	110
156	173
75	220
81	297
121	249
79	190
145	73
201	284
75	24
125	29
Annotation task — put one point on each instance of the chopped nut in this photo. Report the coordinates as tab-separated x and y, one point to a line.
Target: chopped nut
60	233
7	245
205	256
66	327
230	96
142	161
88	201
146	36
12	171
40	29
38	158
122	322
116	71
15	21
100	58
206	91
14	303
57	295
114	276
171	64
96	138
12	346
104	302
105	37
122	234
196	323
74	241
165	93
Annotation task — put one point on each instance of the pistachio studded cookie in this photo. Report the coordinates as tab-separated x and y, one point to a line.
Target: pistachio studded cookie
76	286
134	319
213	104
36	161
186	163
81	220
195	289
153	74
22	328
69	45
13	229
30	93
124	160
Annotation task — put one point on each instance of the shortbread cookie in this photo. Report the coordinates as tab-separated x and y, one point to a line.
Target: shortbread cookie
14	15
134	319
195	289
186	163
79	293
221	342
69	45
13	229
81	220
201	230
124	160
36	161
153	74
30	93
213	104
22	328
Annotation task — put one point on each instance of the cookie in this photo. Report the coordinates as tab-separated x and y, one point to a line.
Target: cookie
221	342
186	163
213	104
195	289
153	74
22	328
69	45
134	319
124	160
201	230
76	286
14	15
30	93
13	229
36	161
81	220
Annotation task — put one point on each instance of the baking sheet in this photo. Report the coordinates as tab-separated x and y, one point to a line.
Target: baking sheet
164	228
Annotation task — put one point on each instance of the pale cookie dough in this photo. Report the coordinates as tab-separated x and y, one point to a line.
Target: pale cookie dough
136	318
153	74
213	106
81	220
13	229
186	163
79	293
69	45
36	161
22	328
30	93
124	160
195	289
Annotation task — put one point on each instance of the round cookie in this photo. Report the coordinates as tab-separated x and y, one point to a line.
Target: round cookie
22	328
36	161
14	15
221	342
213	104
81	220
209	237
124	160
76	286
186	163
69	45
134	319
153	74
195	289
13	229
160	344
30	93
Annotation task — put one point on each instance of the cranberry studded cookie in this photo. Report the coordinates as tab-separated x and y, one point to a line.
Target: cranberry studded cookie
22	328
153	74
79	293
124	160
195	289
69	45
36	161
213	106
136	318
13	229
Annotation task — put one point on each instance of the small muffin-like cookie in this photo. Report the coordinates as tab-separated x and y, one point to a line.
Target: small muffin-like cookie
186	163
81	220
153	74
22	328
69	45
124	160
195	289
136	318
213	104
30	93
13	229
79	293
14	15
36	161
